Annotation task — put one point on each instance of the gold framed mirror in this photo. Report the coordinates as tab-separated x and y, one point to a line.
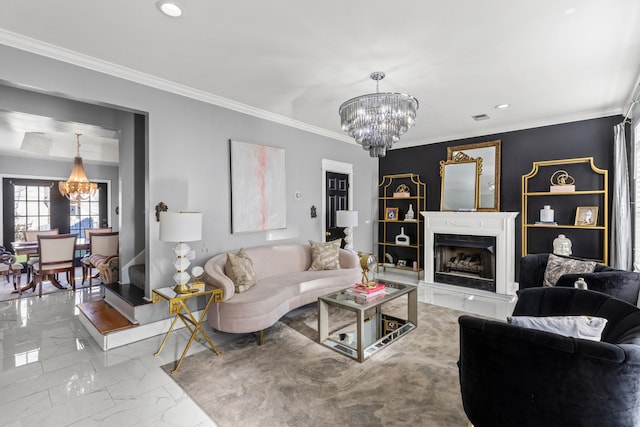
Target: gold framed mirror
460	179
489	185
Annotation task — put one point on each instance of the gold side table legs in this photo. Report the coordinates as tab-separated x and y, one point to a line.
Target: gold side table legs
179	308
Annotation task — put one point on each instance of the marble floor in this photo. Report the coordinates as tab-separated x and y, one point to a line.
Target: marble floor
52	373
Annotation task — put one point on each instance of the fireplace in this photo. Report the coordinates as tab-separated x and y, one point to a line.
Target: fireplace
465	260
471	250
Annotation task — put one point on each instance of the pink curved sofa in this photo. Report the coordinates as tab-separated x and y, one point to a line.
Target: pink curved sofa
284	283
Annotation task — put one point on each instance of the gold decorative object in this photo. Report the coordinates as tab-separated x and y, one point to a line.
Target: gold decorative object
77	187
489	152
368	263
402	191
562	182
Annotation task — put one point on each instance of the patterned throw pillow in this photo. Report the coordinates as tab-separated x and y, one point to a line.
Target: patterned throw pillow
239	268
557	266
325	256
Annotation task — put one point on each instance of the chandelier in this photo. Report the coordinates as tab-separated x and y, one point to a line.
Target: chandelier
377	120
77	187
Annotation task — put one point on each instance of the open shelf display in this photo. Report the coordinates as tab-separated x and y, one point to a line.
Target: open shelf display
400	238
591	190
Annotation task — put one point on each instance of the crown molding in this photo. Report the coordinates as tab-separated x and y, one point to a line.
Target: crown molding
531	124
58	53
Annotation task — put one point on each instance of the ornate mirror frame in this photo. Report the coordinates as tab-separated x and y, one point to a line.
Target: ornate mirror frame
460	177
489	185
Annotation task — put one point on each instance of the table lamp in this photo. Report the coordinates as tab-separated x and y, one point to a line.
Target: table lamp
181	227
347	219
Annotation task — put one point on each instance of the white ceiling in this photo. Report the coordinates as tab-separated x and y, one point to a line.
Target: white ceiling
294	61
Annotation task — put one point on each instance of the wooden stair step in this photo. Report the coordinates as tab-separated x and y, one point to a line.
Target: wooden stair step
104	317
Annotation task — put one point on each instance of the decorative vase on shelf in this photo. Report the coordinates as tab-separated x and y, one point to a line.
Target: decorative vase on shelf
410	215
546	214
402	239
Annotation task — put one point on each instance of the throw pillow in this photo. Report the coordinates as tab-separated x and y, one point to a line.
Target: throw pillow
239	268
587	327
325	256
557	266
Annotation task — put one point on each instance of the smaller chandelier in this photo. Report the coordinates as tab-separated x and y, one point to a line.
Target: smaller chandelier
77	187
377	120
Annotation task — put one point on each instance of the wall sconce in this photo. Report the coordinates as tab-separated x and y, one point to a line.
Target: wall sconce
160	207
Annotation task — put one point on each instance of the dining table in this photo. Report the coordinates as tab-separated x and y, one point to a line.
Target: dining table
31	248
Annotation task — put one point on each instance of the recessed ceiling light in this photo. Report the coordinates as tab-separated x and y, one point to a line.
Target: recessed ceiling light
479	117
169	8
502	106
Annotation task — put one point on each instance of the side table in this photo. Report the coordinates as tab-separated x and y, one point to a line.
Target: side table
176	306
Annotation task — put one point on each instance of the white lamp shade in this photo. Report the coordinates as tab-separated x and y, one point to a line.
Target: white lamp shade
180	226
347	218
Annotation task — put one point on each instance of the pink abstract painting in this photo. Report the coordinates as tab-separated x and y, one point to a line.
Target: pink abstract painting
258	187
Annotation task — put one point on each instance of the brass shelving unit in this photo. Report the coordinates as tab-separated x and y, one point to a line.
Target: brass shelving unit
417	197
568	201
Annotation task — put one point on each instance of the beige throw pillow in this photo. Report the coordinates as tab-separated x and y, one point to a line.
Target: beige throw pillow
325	256
239	268
557	266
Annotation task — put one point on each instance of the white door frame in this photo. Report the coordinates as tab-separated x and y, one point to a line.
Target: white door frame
337	167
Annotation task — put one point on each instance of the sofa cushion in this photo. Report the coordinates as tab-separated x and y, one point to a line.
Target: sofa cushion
324	256
239	268
586	327
557	266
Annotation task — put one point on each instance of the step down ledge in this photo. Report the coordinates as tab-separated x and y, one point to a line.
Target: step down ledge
104	317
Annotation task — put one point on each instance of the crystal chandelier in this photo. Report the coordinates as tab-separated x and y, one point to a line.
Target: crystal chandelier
77	187
377	120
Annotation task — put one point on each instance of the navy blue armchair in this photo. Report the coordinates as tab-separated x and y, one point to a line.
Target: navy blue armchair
514	376
621	284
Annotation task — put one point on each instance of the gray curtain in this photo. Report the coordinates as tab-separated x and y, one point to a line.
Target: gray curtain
621	256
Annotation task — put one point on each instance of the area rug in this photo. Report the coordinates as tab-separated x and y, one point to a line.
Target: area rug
293	381
7	292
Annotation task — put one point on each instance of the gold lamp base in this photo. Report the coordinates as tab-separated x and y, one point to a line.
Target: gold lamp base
182	289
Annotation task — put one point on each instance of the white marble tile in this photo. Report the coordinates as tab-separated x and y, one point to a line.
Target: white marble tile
52	373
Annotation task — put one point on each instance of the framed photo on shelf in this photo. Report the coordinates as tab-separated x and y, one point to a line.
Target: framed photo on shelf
586	216
390	326
391	214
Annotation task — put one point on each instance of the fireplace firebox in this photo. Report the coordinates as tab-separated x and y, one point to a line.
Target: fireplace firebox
466	260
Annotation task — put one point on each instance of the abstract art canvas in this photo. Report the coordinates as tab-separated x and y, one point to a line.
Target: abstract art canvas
258	187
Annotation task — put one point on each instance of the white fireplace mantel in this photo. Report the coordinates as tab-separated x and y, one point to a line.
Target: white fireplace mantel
500	225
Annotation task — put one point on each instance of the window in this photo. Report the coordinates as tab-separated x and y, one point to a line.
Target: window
32	209
84	214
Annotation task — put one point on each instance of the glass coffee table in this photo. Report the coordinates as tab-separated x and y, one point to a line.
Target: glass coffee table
374	330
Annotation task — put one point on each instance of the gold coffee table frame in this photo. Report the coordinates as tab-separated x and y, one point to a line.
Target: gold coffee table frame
177	304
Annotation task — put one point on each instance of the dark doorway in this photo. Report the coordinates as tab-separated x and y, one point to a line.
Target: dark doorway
337	192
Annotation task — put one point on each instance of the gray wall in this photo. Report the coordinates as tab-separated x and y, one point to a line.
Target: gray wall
188	158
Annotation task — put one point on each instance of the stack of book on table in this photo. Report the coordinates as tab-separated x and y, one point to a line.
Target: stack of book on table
363	294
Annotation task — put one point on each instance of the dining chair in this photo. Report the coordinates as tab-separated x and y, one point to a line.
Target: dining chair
56	254
32	236
101	247
89	231
10	268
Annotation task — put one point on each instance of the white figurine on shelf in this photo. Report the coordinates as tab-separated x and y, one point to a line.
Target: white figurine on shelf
562	245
